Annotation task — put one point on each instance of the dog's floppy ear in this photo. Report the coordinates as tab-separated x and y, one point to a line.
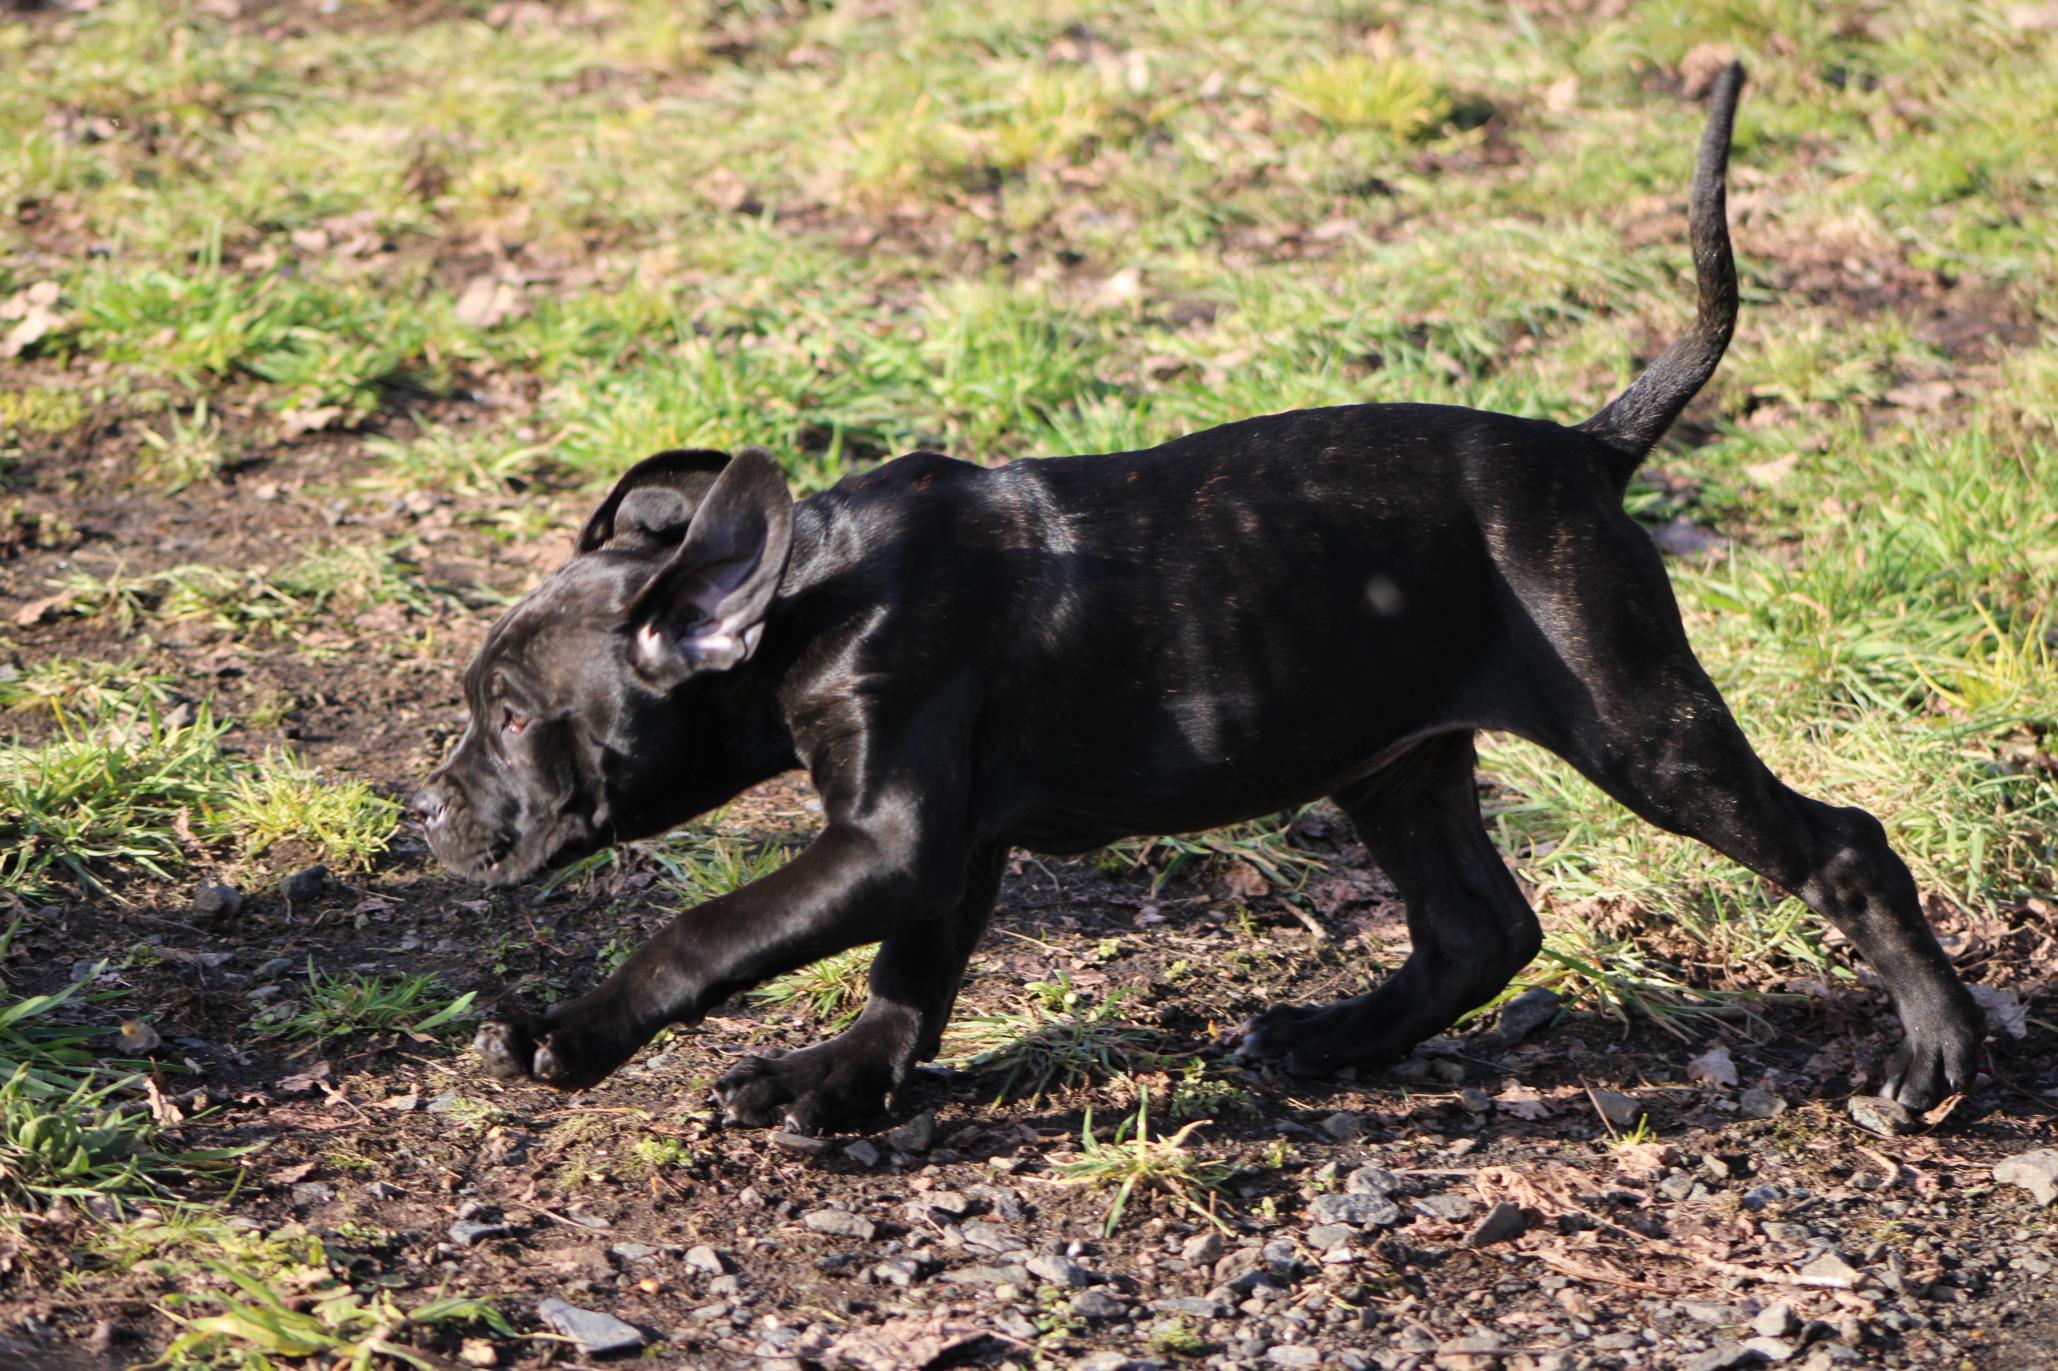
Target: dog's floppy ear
653	504
705	609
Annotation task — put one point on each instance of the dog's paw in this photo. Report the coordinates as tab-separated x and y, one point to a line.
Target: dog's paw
823	1089
553	1054
1313	1040
1934	1063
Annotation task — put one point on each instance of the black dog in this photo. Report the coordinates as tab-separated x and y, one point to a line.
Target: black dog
1057	654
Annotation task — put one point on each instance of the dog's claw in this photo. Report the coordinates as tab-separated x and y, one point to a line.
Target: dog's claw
505	1048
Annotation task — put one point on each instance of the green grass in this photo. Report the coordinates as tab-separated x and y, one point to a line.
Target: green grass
833	989
74	1123
843	233
123	789
356	1002
1052	1039
1136	1164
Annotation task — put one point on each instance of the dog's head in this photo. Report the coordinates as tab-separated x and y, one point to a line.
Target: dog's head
587	699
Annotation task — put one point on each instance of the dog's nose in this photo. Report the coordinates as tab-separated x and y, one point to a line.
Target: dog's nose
428	805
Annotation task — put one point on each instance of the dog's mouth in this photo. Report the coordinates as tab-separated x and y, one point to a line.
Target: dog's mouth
503	855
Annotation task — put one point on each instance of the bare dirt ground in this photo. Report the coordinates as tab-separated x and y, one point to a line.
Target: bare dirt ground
1745	1208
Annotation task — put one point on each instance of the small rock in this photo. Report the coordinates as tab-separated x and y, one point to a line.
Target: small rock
840	1224
380	1190
312	1192
1449	1208
1371	1180
305	885
1343	1127
1293	1354
916	1135
1192	1307
1771	1349
1760	1103
1002	1202
862	1152
1327	1237
801	1145
1105	1361
469	1233
1714	1315
989	1275
2036	1172
988	1237
598	1335
1447	1069
1526	1013
1095	1304
705	1258
1475	1101
223	901
1202	1248
1762	1197
1721	1357
1619	1110
1775	1320
1059	1271
633	1251
1829	1266
1502	1222
1359	1211
1887	1118
478	1352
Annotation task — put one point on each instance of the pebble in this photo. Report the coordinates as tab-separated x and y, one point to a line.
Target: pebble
862	1152
1290	1354
304	885
633	1251
1619	1110
838	1223
469	1233
312	1192
1526	1013
1359	1211
1721	1357
223	900
2036	1172
1059	1271
1095	1304
1832	1267
1327	1237
1775	1320
1771	1349
1887	1118
916	1135
1371	1180
987	1237
1473	1100
1760	1103
1447	1069
1192	1307
1202	1248
598	1335
1449	1208
1502	1222
705	1258
1343	1127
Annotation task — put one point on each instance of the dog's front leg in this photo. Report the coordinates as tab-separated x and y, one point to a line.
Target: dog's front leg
858	882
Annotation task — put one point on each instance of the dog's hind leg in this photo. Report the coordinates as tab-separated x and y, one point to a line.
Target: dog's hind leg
1631	707
1470	927
1698	776
853	1076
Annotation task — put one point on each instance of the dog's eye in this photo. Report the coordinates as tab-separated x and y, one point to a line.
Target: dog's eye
511	722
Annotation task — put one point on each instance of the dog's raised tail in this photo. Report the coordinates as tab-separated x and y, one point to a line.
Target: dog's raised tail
1636	419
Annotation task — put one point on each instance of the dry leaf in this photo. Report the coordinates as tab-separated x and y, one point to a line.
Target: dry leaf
2006	1013
487	302
1712	1067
